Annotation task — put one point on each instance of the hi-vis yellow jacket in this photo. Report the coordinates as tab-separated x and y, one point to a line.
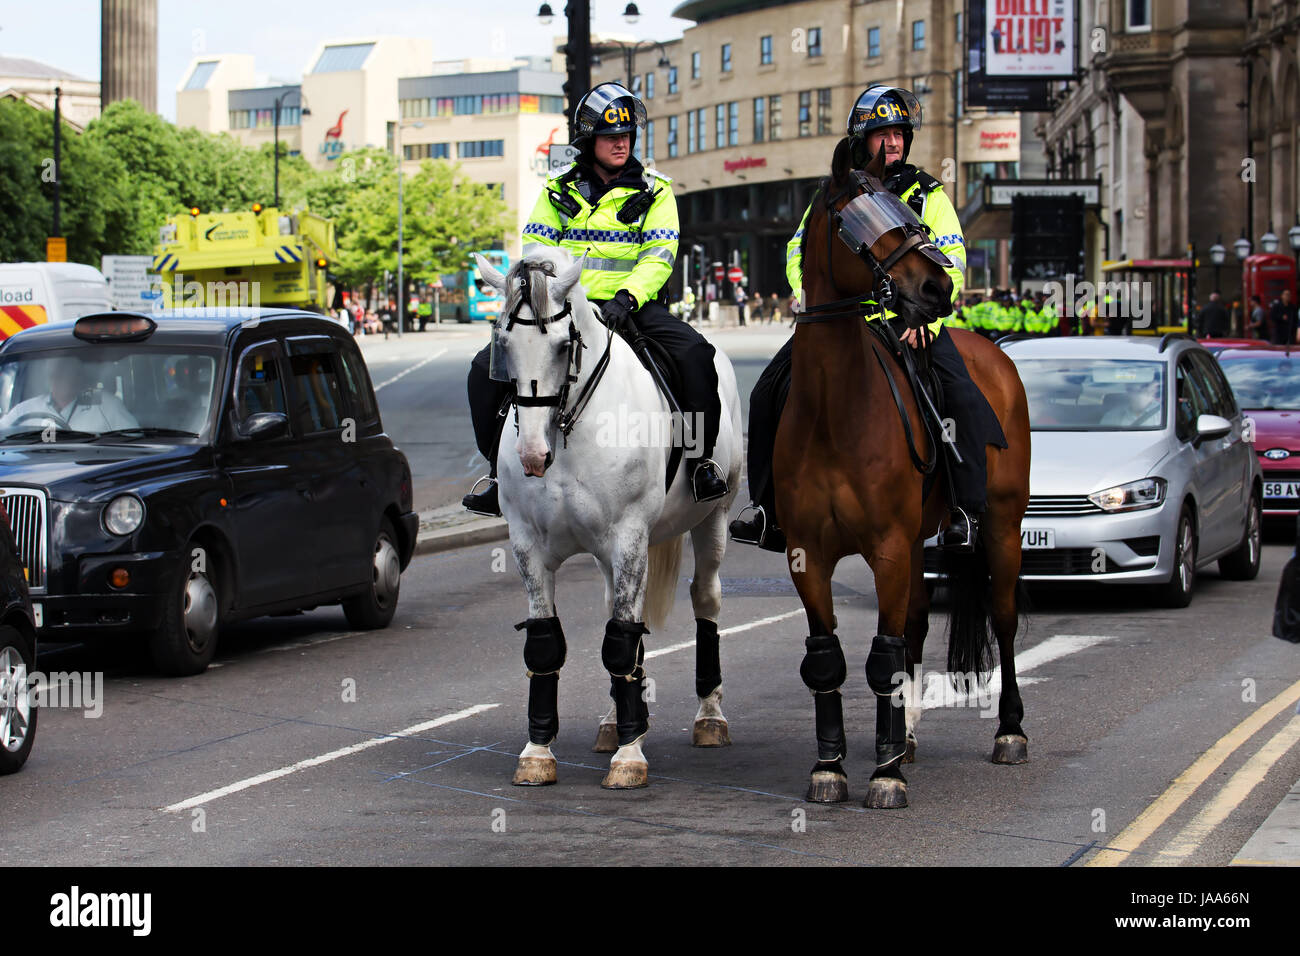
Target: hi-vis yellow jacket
937	214
637	256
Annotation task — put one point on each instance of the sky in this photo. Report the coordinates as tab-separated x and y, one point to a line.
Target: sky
282	34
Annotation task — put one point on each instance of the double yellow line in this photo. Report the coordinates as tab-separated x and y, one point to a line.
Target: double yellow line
1228	798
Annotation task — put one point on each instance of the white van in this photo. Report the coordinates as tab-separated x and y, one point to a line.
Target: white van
32	293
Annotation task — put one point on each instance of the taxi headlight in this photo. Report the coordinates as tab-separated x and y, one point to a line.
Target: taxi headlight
1133	496
124	514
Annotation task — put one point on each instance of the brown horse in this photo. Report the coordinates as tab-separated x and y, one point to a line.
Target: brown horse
846	484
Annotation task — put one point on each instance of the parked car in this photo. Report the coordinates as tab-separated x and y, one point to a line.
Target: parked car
164	474
1140	472
17	657
1267	385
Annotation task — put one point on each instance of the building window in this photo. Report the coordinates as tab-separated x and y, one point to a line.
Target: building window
479	148
805	113
695	65
202	73
824	112
672	137
672	80
690	132
426	151
650	139
720	125
975	173
957	37
918	34
733	123
702	128
760	119
764	50
774	117
873	42
814	41
726	58
1139	15
649	86
636	84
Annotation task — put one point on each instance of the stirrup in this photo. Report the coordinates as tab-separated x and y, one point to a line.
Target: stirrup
965	544
474	493
714	495
739	521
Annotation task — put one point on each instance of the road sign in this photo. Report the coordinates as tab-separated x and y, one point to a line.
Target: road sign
717	271
56	249
560	155
130	285
736	274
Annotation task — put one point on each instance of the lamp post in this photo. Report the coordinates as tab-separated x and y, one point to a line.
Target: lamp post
630	50
279	100
1217	255
1269	241
953	79
401	209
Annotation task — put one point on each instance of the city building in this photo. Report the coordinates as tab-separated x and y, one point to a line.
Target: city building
746	116
34	83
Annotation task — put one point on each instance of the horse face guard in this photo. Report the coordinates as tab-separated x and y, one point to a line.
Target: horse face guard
871	214
565	420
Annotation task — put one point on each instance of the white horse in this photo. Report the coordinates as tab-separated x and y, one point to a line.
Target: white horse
586	475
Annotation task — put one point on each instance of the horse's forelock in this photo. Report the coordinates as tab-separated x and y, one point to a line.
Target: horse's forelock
538	273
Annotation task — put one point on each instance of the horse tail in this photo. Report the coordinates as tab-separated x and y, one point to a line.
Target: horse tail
661	581
970	643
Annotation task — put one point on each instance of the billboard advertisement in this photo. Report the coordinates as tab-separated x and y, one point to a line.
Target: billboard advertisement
1029	38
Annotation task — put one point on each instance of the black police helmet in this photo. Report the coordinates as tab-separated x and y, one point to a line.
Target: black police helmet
606	109
878	107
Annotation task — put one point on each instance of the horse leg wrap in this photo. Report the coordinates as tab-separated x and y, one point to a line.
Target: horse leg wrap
622	653
829	708
543	708
631	711
886	664
544	648
823	668
708	663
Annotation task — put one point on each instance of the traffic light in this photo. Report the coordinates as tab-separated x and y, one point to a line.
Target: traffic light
577	55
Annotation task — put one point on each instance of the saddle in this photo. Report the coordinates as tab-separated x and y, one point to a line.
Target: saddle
667	375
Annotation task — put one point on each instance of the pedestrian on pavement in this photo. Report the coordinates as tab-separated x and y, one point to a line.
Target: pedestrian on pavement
1213	321
738	292
774	313
1257	326
1282	320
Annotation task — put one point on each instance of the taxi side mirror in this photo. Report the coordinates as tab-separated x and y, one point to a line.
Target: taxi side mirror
263	426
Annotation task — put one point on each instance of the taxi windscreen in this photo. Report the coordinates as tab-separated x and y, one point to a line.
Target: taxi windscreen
1264	382
87	391
1094	394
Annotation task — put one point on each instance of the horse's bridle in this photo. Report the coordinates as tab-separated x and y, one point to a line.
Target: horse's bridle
915	236
562	419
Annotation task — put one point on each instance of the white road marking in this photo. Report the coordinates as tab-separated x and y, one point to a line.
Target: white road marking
326	758
1057	646
411	369
673	648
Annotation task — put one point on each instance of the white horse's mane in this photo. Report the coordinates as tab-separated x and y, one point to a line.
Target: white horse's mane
545	265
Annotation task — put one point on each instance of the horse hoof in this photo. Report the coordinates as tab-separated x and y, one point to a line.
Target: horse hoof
626	776
1010	749
534	772
827	786
710	732
886	793
606	739
910	755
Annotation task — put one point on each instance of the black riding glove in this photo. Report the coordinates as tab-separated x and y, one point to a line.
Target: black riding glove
618	311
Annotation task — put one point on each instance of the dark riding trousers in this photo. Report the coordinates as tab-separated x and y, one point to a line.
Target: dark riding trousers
972	417
690	350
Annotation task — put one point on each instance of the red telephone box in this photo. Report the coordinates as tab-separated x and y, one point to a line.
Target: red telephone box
1266	275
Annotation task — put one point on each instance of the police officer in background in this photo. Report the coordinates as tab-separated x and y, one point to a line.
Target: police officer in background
623	218
885	118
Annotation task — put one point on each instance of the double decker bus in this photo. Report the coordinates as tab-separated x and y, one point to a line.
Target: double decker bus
468	296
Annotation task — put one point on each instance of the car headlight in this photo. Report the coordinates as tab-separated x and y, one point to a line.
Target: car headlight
1133	496
124	514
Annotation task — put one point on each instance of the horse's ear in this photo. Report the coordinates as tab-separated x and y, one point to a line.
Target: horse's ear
491	275
842	161
877	165
566	278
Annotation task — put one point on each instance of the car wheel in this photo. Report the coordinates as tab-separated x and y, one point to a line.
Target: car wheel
374	609
1243	564
1178	591
186	637
17	711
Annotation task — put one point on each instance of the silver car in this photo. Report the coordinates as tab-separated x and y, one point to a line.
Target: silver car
1142	469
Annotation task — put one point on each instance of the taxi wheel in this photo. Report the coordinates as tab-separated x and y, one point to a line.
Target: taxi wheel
1178	591
17	710
1243	564
374	608
186	637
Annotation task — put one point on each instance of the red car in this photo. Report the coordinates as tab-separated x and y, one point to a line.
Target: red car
1219	345
1266	382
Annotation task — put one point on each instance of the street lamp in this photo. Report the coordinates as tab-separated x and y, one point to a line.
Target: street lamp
1269	241
1217	255
1241	247
953	78
401	208
305	112
630	51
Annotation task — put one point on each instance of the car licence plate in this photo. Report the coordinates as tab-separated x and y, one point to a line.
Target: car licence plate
1032	539
1282	489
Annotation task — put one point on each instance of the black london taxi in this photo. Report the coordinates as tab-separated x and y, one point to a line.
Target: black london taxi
167	472
17	656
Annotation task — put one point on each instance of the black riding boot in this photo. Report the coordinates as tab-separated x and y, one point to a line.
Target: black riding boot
487	406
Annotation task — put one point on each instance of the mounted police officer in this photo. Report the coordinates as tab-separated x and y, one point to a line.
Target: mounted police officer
885	118
623	219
